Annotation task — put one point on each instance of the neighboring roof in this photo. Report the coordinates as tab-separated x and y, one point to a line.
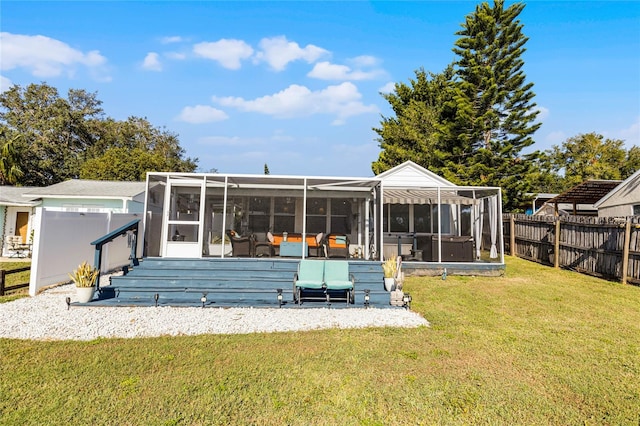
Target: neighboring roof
79	188
410	174
14	196
625	193
588	192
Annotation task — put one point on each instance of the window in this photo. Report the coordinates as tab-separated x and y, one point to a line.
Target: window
316	215
399	217
284	218
422	218
259	212
340	216
636	210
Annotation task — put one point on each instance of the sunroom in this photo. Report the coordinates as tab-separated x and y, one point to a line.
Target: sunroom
407	210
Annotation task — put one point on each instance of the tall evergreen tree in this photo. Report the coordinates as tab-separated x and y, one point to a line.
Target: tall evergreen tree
422	130
495	103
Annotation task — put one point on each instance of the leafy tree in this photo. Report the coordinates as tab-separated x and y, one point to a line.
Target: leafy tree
471	123
495	103
69	138
121	163
134	137
10	170
632	162
53	131
587	156
422	129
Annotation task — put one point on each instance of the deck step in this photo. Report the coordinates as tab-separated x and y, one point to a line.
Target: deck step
226	282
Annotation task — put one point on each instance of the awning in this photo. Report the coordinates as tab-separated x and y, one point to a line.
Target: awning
430	196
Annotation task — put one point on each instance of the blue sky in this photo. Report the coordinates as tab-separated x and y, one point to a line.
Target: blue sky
296	85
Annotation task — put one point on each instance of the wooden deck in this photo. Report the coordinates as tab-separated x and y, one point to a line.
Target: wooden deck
249	282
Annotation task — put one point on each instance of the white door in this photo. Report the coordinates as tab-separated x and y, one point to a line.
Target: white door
184	212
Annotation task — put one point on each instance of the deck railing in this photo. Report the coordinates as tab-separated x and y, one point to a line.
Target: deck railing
132	228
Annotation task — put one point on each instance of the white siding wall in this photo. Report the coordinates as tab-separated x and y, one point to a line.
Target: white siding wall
616	211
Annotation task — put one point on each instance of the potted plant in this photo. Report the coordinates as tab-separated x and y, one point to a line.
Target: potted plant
84	277
390	270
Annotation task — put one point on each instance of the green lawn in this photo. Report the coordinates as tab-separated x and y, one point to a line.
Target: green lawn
538	346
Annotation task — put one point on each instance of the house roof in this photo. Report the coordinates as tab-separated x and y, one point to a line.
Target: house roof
588	192
79	188
627	191
14	196
409	174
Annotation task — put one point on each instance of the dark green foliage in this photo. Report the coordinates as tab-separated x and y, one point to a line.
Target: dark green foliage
58	139
495	102
584	157
470	123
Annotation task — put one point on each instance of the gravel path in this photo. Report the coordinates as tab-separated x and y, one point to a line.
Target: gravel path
46	317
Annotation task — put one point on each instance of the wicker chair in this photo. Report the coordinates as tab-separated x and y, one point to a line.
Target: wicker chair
240	246
337	245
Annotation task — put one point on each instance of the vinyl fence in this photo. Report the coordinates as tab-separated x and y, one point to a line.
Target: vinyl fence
63	241
603	247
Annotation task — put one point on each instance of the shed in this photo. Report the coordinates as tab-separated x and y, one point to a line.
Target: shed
623	200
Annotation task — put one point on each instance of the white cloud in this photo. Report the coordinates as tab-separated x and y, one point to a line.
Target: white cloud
230	141
630	135
342	100
201	114
388	88
556	138
152	62
176	56
46	57
542	113
5	84
171	39
364	61
329	71
228	52
278	52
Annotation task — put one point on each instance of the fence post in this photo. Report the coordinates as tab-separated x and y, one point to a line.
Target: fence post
3	275
512	235
625	251
556	248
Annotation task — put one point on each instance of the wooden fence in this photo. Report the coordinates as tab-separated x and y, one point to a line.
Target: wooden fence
3	275
603	247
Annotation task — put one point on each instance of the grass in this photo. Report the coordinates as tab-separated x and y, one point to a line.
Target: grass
538	346
13	279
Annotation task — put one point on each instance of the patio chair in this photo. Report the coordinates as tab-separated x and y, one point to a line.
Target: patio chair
337	245
15	246
240	246
310	276
316	245
262	248
337	279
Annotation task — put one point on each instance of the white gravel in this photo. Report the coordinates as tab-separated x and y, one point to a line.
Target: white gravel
46	317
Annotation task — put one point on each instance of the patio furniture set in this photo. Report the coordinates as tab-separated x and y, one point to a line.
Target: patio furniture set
289	245
16	247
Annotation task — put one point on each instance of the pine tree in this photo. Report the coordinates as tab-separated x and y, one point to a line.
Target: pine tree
421	129
495	104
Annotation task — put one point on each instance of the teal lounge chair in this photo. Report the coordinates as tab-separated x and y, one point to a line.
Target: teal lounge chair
310	276
337	279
